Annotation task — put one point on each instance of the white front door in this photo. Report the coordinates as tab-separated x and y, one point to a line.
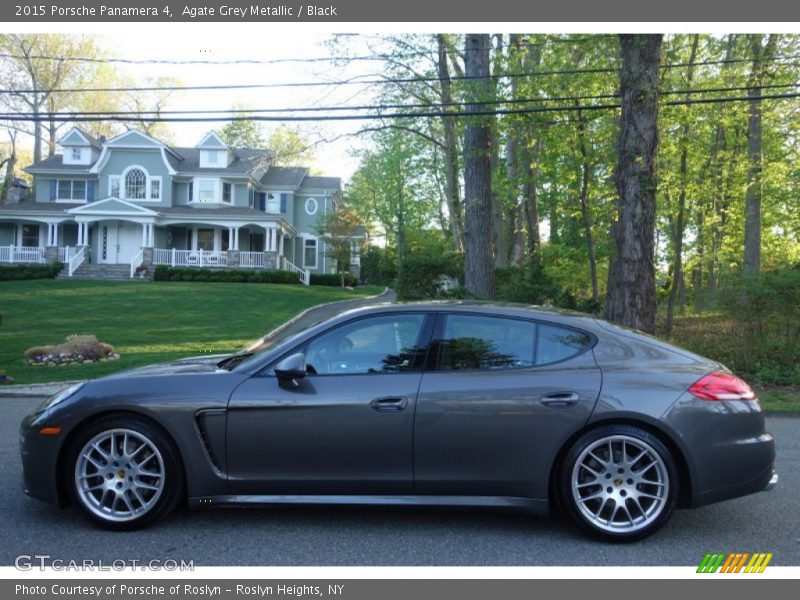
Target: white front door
119	242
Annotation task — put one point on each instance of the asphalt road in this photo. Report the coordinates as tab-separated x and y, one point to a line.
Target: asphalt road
765	522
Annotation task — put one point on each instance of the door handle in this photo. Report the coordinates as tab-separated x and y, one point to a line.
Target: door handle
389	404
560	399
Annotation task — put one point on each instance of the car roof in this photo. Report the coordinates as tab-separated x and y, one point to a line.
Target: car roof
530	311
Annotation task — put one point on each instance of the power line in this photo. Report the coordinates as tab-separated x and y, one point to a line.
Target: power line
357	81
383	116
399	106
271	61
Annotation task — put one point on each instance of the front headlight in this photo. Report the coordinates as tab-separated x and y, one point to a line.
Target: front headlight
61	396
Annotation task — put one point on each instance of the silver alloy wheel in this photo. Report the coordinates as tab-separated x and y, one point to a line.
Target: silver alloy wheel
119	475
620	484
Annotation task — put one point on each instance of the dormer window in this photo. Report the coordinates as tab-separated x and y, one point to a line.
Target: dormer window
76	154
212	159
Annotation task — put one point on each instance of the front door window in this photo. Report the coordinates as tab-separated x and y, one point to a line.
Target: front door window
205	239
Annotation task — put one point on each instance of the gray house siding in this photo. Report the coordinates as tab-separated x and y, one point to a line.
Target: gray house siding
150	160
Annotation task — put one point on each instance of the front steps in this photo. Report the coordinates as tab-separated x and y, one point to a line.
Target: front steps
98	272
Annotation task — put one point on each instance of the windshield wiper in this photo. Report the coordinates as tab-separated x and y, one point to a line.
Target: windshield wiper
233	360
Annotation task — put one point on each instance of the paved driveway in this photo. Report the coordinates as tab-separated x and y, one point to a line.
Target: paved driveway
380	536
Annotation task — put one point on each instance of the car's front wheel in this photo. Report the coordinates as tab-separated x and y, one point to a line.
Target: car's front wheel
619	482
124	472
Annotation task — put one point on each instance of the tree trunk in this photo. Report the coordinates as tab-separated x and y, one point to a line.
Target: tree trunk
584	200
677	270
479	263
752	210
631	295
498	205
450	150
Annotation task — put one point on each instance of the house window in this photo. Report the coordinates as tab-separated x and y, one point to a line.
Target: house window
135	188
205	239
76	154
30	236
226	192
273	203
213	158
206	190
155	188
310	253
113	186
311	206
251	198
69	190
190	194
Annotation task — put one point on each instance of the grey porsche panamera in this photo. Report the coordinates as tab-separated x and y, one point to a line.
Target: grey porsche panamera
436	404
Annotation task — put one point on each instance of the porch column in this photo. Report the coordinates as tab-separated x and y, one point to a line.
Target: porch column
144	235
151	235
236	238
55	234
281	237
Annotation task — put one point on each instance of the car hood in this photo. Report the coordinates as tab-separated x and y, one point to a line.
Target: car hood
184	366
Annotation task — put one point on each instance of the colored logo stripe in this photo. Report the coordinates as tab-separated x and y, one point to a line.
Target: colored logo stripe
734	562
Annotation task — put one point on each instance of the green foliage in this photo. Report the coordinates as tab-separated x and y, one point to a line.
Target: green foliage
766	342
333	279
424	267
164	273
379	266
16	272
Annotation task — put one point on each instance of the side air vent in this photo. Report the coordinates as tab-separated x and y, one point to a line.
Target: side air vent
211	427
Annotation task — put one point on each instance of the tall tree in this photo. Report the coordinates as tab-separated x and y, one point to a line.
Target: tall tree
761	54
479	262
677	269
631	292
244	133
450	150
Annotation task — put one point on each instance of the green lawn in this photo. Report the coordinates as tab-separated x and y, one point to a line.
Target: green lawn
146	321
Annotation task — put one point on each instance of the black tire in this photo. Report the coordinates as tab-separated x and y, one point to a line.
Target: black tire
645	498
163	454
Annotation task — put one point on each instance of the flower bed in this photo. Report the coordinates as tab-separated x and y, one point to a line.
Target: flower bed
75	350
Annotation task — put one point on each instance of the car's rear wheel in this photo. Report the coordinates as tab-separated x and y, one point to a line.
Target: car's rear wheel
124	472
619	482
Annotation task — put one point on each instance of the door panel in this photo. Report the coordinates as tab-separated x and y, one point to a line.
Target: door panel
108	243
493	424
347	428
323	437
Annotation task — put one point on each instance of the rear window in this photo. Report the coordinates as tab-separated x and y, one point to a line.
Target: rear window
473	342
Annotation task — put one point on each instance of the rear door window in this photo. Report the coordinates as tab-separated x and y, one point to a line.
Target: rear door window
477	342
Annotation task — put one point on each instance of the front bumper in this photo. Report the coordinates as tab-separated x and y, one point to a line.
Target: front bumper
39	455
773	481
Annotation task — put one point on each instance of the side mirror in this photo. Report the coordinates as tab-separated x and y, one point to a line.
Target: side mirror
290	369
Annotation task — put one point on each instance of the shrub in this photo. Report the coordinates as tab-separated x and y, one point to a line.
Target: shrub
165	273
20	272
425	269
332	279
379	266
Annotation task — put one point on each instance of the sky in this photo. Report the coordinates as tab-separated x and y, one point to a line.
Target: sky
333	157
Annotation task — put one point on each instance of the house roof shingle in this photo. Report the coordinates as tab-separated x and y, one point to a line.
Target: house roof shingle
320	183
284	176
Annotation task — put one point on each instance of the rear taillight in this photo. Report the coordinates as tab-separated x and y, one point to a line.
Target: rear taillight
721	386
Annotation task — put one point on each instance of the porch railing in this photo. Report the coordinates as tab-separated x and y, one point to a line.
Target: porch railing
136	261
63	254
21	254
254	260
305	274
189	258
76	260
